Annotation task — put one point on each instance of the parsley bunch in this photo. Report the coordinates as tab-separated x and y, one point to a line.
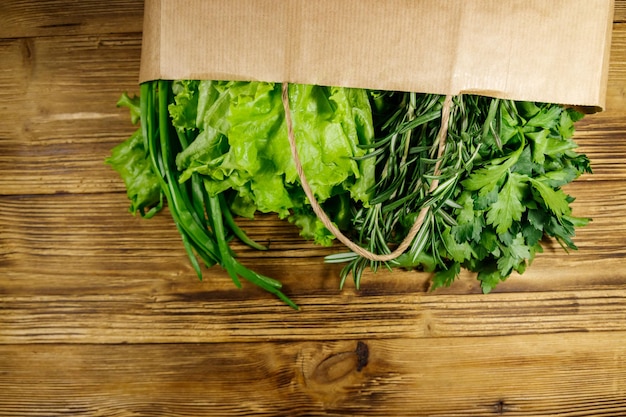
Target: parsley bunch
515	198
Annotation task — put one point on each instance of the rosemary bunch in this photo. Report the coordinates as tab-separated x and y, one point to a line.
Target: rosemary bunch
406	159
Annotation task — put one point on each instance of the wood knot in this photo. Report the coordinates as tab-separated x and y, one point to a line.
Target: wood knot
500	407
362	355
339	365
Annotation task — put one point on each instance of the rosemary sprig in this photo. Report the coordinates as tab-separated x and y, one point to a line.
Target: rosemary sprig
405	168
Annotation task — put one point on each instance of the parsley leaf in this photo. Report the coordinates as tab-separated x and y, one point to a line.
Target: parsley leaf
514	255
489	278
555	200
445	277
459	252
485	179
508	208
469	222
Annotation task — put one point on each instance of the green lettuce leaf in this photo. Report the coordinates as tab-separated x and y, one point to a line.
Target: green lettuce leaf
242	143
130	160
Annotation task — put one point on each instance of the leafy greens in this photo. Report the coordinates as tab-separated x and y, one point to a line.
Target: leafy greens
219	149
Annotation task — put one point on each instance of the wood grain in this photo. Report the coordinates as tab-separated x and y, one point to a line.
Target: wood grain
102	315
520	376
213	316
61	108
30	19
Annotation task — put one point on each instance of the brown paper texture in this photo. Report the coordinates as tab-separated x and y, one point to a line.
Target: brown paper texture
553	51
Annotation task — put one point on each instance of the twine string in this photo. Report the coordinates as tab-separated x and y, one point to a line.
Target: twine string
323	217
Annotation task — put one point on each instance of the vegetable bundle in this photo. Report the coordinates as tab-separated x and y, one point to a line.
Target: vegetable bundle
484	194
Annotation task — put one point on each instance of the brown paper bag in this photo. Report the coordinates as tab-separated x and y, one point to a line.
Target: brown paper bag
553	51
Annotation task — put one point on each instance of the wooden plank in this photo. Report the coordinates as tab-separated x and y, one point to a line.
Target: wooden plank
544	375
26	19
616	99
59	111
620	11
213	316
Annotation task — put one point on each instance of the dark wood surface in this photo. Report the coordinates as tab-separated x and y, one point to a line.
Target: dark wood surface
102	315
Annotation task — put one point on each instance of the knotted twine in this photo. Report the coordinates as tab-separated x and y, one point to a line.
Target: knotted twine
321	214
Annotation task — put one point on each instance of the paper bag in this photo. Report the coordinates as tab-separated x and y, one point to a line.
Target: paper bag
553	51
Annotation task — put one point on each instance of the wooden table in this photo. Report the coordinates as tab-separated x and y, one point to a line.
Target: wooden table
102	315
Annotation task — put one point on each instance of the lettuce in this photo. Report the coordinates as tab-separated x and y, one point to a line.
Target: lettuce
240	143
